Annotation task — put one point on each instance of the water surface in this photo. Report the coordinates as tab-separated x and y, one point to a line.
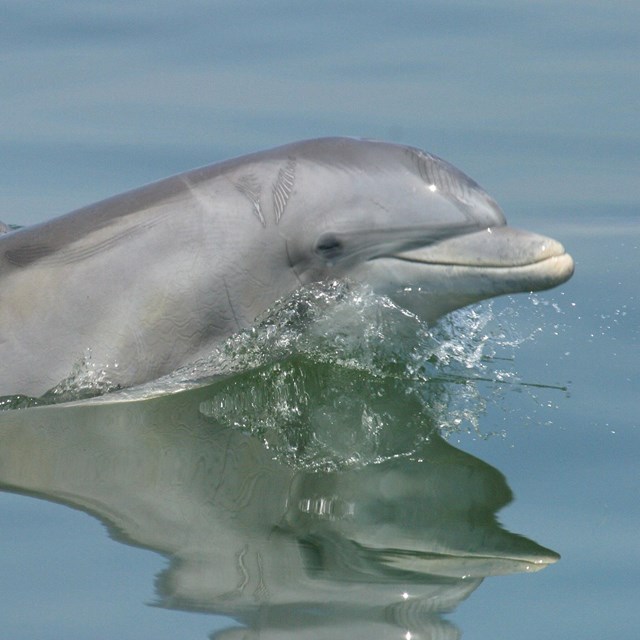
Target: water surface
115	519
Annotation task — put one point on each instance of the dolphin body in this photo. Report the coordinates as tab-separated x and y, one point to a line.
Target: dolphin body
149	280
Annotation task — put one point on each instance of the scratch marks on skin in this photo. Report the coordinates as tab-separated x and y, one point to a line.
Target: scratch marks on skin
72	252
249	186
443	178
283	187
25	255
439	175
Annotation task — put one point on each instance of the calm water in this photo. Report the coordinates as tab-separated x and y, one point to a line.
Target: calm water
181	521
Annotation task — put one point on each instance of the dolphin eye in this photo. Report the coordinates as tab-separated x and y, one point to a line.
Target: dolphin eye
329	246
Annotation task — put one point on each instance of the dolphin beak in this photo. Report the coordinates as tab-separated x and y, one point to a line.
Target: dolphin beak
502	253
464	269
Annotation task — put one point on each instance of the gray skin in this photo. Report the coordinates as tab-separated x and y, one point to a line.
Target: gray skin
147	281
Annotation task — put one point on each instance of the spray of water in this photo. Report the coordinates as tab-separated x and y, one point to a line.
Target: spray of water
335	375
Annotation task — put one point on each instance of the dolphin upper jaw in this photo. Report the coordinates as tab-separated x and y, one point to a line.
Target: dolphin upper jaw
499	247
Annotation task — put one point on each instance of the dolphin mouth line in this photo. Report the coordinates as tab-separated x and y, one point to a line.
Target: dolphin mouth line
478	265
497	248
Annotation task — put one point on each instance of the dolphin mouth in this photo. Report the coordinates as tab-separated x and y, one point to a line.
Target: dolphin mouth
499	253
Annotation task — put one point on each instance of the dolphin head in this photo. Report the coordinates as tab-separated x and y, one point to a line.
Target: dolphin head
412	226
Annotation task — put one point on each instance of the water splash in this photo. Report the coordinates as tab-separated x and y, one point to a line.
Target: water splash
334	353
86	380
337	376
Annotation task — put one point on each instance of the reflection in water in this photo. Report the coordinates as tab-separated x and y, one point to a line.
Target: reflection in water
255	521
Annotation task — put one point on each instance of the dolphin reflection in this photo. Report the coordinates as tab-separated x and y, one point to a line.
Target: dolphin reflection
374	551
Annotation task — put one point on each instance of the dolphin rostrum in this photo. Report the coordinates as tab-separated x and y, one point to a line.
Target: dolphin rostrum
146	281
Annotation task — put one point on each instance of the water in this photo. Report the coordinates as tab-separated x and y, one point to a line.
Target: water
539	104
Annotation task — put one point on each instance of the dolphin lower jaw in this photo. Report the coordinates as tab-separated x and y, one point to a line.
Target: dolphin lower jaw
433	290
483	280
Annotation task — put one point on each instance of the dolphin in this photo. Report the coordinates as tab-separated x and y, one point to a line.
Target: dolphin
149	280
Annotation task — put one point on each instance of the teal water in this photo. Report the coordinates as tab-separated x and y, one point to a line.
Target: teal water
129	521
